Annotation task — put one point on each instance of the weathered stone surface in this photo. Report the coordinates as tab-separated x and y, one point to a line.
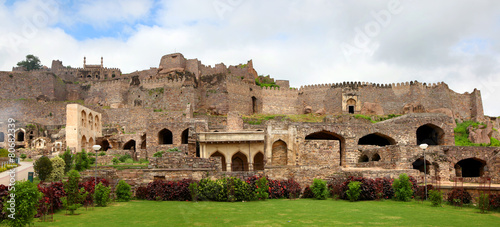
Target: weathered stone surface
321	111
481	134
372	109
307	109
446	111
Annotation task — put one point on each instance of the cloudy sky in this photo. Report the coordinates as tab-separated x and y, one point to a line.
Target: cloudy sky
306	42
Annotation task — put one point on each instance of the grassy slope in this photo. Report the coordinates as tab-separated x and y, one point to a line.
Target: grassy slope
276	213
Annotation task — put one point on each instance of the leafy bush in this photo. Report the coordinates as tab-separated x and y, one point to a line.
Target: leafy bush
461	195
102	153
494	201
123	193
129	161
319	189
43	168
193	189
307	193
436	197
283	189
166	190
26	197
354	191
141	192
238	190
51	200
115	161
92	161
4	153
82	161
57	172
370	188
403	190
158	154
262	188
385	184
419	191
68	160
124	157
23	156
102	195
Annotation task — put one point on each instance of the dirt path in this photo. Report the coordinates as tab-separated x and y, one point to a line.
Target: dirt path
21	173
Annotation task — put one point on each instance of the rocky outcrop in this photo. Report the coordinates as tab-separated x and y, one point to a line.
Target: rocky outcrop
481	134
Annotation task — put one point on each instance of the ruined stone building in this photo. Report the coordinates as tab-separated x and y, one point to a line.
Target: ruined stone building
223	122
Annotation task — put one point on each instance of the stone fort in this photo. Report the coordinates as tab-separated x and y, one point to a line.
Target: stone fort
225	123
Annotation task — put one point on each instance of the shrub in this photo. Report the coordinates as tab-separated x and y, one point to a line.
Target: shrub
23	156
319	189
4	153
124	157
102	195
115	161
158	154
43	168
141	192
57	169
193	189
461	195
307	193
74	194
420	191
385	184
82	161
26	196
92	161
102	153
123	192
436	197
354	191
293	189
402	188
51	200
370	189
129	161
494	201
483	202
68	160
262	188
238	190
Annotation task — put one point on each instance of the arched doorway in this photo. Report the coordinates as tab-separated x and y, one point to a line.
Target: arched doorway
470	167
84	118
91	142
104	145
165	137
184	137
223	159
254	105
279	153
430	134
376	139
376	157
351	105
363	158
419	164
130	145
20	136
326	135
258	161
239	162
84	142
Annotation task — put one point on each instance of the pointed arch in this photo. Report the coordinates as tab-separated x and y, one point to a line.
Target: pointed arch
376	139
327	135
470	167
91	142
223	159
91	121
363	158
130	145
20	136
184	136
430	134
279	155
84	118
84	142
258	161
376	157
239	162
165	137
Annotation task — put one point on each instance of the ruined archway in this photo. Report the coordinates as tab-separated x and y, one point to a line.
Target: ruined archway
20	136
104	145
470	167
258	161
91	142
326	135
376	157
130	145
430	134
165	137
184	136
239	162
279	153
363	158
84	142
351	105
222	157
376	139
419	164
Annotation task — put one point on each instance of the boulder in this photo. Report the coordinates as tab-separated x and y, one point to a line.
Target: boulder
321	111
372	109
481	134
307	109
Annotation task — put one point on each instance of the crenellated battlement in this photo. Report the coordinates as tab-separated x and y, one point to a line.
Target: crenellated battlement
276	91
368	84
162	82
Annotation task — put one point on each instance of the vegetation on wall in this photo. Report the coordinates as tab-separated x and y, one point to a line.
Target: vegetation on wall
31	63
265	81
462	135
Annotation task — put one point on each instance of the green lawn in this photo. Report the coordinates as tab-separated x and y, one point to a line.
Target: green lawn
276	213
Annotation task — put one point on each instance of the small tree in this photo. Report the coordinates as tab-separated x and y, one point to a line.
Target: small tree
319	189
68	160
23	156
402	188
123	192
74	195
102	195
262	189
483	202
354	191
32	62
57	169
26	197
436	197
43	168
82	161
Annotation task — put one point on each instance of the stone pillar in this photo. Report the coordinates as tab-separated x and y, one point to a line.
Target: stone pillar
228	167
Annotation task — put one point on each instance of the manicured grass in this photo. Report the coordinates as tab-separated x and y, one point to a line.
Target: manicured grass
276	213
